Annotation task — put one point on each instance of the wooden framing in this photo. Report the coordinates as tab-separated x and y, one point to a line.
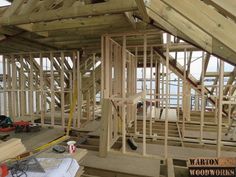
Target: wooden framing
37	86
133	106
167	97
221	84
202	98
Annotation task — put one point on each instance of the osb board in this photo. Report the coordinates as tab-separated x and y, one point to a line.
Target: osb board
123	164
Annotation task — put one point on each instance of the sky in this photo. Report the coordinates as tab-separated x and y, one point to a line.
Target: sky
4	3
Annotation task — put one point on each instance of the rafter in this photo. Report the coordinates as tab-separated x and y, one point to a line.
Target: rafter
206	60
73	23
13	8
177	24
109	7
131	19
189	62
230	81
142	10
208	19
227	8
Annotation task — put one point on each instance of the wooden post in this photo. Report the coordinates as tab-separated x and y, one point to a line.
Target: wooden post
145	91
229	106
4	85
104	136
203	98
62	79
74	76
184	96
14	105
9	86
151	95
31	96
221	86
52	91
178	98
102	65
79	87
42	102
123	95
167	96
136	65
94	85
88	105
157	88
196	101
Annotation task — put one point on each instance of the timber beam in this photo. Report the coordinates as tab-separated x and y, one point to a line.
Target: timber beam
77	10
180	25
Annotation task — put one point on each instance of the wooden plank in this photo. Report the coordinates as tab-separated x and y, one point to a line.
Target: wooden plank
108	7
31	81
170	168
167	96
62	79
106	112
136	65
205	64
13	8
227	8
28	7
142	10
202	97
145	92
52	89
123	163
94	85
74	82
167	18
219	130
230	81
68	3
184	95
79	87
158	8
42	101
123	93
151	89
207	19
9	86
11	149
14	75
4	85
131	19
73	23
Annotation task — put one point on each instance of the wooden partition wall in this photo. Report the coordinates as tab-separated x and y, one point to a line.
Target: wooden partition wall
39	87
121	116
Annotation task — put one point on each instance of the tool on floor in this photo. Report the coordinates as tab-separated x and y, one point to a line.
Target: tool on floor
20	168
24	126
59	149
132	143
6	124
3	170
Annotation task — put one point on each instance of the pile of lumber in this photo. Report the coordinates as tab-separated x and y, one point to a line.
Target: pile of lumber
11	148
